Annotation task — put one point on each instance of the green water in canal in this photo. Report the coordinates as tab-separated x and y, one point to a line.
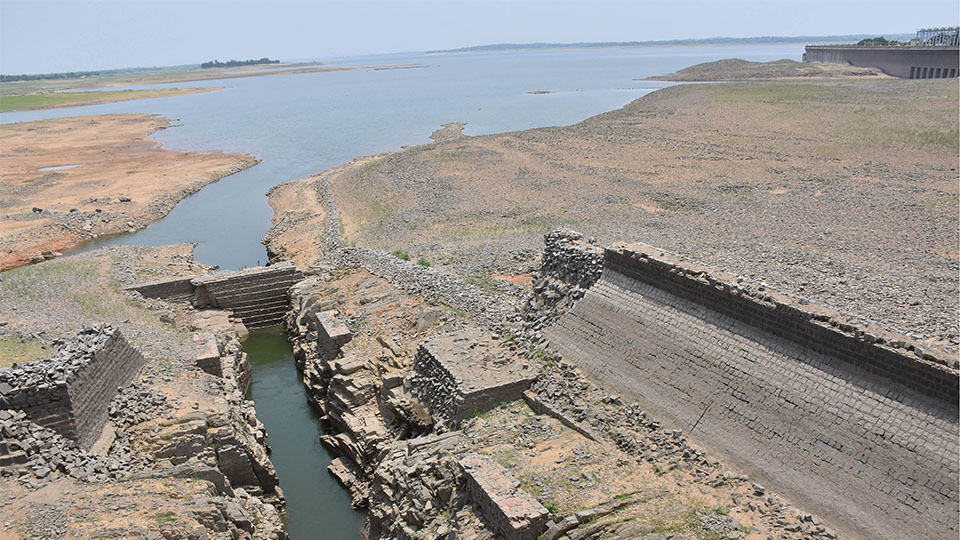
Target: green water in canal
320	508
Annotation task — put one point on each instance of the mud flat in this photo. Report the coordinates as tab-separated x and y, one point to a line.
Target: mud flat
735	69
104	175
843	191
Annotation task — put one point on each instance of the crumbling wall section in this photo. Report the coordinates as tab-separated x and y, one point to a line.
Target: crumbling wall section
855	421
571	264
434	385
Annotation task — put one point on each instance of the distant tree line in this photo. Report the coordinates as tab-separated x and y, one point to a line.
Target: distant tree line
880	42
235	63
46	76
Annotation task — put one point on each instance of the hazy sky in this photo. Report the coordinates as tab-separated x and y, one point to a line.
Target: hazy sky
64	35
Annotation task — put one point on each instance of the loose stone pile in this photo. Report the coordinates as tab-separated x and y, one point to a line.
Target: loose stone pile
36	455
137	403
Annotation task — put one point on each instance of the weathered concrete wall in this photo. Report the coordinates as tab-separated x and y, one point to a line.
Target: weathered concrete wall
258	296
858	425
71	392
905	62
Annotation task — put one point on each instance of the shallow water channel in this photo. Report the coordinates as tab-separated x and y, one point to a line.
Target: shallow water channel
293	427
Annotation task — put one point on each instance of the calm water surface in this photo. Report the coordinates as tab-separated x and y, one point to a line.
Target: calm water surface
306	123
321	509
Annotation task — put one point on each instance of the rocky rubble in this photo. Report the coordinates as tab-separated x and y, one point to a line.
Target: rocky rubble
38	455
418	493
137	403
571	264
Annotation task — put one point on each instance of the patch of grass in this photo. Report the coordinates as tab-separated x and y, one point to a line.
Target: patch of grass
14	351
947	139
401	254
486	283
423	262
163	517
551	506
23	102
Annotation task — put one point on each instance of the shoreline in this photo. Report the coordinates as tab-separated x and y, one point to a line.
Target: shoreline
114	192
744	171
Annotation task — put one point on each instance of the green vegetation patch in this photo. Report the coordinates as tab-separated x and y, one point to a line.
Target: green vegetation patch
14	351
23	102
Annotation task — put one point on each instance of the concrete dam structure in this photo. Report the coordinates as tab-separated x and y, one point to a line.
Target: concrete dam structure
903	62
855	422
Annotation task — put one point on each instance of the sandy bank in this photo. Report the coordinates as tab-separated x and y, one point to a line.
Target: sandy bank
125	182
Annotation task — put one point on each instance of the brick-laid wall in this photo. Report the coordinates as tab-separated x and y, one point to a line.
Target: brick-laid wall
854	424
71	392
505	507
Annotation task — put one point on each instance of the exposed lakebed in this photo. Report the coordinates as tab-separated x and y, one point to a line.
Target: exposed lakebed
305	123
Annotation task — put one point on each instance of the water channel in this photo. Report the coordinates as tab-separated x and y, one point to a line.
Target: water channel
305	123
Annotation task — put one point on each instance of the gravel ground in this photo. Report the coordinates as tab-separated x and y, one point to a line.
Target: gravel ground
844	192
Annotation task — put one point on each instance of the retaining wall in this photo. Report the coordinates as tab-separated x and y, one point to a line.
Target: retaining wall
505	507
465	373
71	392
258	296
851	421
904	62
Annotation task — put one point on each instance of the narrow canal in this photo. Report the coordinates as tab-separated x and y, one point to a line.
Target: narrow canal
293	426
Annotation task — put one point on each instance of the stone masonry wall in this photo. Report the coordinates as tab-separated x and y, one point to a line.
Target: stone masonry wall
852	421
571	264
71	392
467	372
434	385
505	507
257	295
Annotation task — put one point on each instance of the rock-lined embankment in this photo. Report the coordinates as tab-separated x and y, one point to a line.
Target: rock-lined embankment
180	454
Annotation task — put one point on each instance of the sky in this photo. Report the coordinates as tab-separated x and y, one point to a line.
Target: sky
42	36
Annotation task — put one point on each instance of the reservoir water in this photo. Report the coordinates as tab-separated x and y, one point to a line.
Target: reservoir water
302	124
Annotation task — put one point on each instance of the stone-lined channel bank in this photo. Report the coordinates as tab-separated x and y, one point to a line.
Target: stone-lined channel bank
321	508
